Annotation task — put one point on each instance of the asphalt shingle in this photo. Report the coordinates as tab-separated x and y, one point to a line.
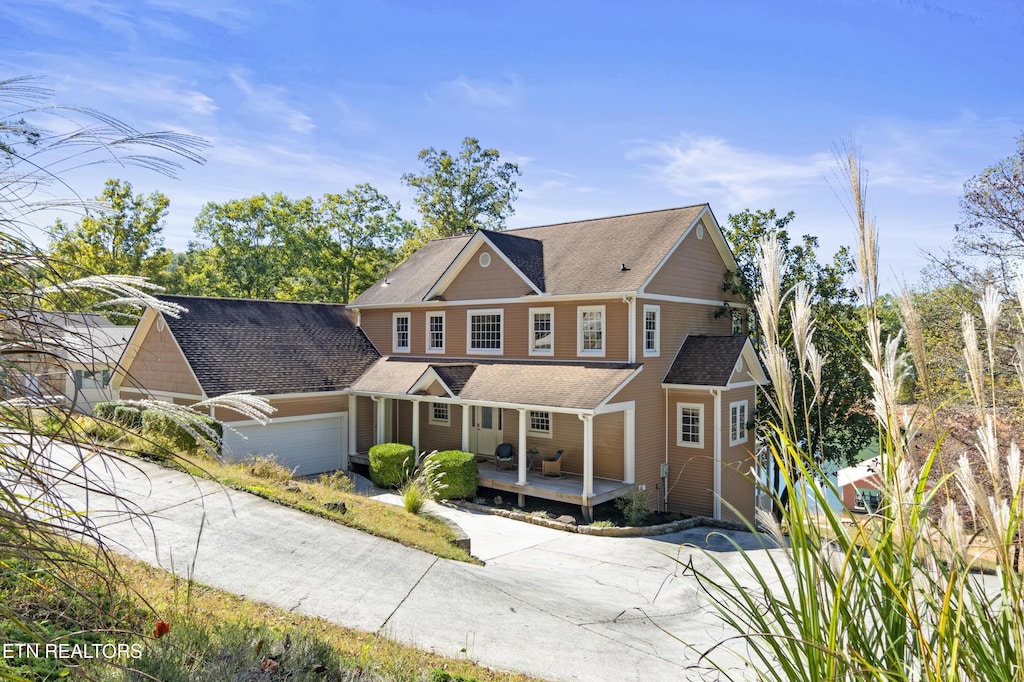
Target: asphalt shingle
706	360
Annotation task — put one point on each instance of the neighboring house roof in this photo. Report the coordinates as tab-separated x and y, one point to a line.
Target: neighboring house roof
82	338
711	361
270	347
103	345
584	257
571	385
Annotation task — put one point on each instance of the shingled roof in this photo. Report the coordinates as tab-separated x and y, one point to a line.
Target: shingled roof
584	257
706	360
557	385
270	347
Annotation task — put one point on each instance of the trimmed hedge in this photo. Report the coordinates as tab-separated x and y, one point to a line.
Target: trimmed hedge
454	471
128	417
157	423
391	464
104	411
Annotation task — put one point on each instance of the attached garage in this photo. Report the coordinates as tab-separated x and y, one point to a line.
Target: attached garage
308	445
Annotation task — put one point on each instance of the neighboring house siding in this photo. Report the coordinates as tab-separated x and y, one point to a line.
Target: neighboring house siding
695	270
376	324
497	280
160	366
691	470
737	461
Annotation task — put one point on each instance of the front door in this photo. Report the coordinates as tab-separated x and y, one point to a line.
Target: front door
486	429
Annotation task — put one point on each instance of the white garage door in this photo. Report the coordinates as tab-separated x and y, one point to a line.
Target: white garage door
308	445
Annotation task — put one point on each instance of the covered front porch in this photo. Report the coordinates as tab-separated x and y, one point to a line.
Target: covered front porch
567	488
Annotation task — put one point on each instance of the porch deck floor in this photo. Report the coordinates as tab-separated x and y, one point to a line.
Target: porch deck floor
568	488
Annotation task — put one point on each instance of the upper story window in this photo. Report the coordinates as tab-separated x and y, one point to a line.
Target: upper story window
400	332
652	330
542	331
591	330
690	425
484	332
738	324
738	422
435	332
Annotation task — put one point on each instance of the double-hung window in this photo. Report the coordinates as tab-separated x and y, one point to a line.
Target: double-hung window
590	330
690	425
652	330
738	422
435	332
439	414
539	424
542	331
484	332
400	332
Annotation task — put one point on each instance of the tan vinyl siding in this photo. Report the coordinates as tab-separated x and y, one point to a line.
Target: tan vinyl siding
365	423
695	270
737	484
294	407
160	366
691	479
608	445
437	437
376	324
497	280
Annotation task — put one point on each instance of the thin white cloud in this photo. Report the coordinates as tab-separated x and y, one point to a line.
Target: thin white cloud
482	93
704	165
272	100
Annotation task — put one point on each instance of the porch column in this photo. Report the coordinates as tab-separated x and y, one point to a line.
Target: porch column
522	447
379	435
466	417
588	464
629	446
416	427
353	429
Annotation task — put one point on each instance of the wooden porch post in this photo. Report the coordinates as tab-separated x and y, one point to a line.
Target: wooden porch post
629	446
588	465
379	435
522	451
466	416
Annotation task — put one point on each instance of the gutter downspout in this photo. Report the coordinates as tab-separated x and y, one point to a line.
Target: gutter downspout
664	467
717	509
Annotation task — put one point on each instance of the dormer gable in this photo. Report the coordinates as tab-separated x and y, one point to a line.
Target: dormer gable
491	265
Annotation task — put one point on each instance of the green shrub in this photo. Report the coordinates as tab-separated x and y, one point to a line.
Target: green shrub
391	464
451	474
104	411
128	417
634	507
337	480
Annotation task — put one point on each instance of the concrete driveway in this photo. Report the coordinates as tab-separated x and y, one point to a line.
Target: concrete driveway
556	605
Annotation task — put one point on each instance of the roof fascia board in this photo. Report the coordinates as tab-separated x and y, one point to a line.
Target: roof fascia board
615	391
480	403
534	300
304	394
686	299
754	367
426	379
131	349
462	259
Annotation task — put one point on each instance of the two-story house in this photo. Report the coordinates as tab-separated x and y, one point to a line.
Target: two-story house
602	339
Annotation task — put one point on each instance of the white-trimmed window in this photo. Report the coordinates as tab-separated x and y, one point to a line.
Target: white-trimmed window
400	332
484	331
738	422
738	324
590	330
542	331
690	425
652	331
539	423
435	332
440	414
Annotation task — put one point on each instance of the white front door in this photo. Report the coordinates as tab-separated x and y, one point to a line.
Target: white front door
486	430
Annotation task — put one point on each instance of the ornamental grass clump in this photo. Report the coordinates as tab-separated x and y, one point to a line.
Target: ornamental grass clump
898	595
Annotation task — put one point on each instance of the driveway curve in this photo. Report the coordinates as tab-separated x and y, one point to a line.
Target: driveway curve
556	605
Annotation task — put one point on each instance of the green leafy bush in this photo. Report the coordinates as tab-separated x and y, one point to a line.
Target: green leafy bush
179	436
634	507
451	474
128	417
104	411
391	464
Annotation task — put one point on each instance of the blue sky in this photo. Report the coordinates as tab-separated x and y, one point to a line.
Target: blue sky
608	108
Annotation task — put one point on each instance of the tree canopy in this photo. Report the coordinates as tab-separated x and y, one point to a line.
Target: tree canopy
841	427
464	193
